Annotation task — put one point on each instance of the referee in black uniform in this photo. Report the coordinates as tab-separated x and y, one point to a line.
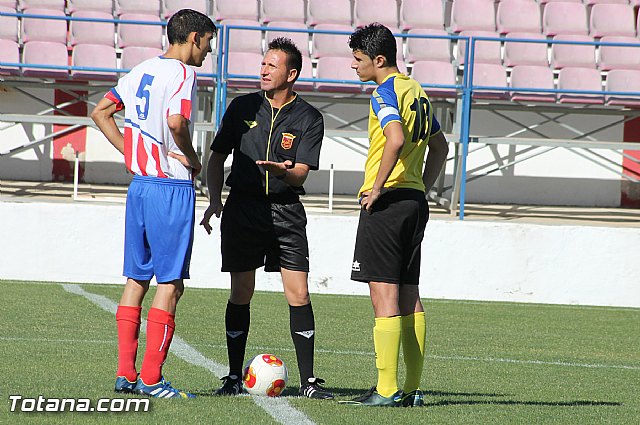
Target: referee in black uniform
275	138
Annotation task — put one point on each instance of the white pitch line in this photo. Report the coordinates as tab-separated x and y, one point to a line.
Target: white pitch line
278	408
359	353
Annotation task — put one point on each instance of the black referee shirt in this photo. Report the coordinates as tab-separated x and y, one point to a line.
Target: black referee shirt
296	132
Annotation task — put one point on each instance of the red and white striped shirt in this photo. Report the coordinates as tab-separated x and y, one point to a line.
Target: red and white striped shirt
150	93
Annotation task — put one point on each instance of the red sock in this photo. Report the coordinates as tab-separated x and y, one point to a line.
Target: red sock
128	320
160	327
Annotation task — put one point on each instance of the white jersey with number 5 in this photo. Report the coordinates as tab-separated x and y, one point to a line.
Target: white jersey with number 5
150	93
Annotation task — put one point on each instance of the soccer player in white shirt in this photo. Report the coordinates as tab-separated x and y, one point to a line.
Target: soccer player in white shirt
158	97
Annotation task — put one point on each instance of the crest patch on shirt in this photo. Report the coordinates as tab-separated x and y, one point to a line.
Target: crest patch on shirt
287	140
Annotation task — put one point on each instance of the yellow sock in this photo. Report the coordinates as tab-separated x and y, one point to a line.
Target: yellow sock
386	340
414	332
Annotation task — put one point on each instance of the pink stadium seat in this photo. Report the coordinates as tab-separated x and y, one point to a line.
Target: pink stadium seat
518	16
336	68
431	72
564	18
42	4
12	4
556	1
425	14
623	80
580	79
331	44
85	32
169	7
612	19
614	57
244	40
9	52
234	9
429	49
36	29
131	56
145	7
329	12
583	56
94	56
382	11
301	39
532	77
278	10
307	72
137	34
45	53
593	2
8	25
525	53
485	51
244	63
489	74
208	67
473	15
105	6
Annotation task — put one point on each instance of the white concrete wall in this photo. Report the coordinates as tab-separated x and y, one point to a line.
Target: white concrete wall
82	242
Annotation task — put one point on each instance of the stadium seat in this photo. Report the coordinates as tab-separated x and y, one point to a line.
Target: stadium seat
555	1
145	7
336	68
525	53
138	34
331	44
382	11
244	63
94	56
573	54
9	52
11	4
307	72
57	5
105	6
131	56
244	40
45	53
329	12
489	75
532	77
472	15
301	39
612	19
169	7
518	16
429	49
424	14
85	32
432	72
572	78
485	51
278	10
36	29
8	25
623	80
619	57
234	9
594	2
564	18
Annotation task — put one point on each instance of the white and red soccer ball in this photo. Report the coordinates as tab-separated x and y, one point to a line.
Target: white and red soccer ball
265	375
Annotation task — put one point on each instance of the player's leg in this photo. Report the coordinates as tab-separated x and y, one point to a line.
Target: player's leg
414	331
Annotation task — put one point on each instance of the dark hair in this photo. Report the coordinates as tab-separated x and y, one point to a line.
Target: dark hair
186	21
373	40
294	57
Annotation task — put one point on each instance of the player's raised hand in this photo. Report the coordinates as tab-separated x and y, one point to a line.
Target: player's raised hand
277	168
214	208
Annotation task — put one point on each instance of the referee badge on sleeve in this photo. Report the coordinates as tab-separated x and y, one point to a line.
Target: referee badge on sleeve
287	140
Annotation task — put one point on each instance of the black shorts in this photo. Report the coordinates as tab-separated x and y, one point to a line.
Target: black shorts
389	239
256	233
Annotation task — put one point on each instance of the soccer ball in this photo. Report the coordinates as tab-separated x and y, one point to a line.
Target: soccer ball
266	375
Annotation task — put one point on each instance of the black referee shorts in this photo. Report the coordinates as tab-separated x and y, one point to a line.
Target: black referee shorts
389	239
256	233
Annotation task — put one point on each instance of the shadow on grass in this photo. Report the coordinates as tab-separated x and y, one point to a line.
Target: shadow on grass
574	403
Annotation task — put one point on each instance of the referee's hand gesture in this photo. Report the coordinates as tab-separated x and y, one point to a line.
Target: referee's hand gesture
214	208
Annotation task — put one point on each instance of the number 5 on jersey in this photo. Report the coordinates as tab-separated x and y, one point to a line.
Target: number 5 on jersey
143	107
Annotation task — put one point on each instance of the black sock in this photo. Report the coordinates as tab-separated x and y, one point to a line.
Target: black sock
303	334
236	320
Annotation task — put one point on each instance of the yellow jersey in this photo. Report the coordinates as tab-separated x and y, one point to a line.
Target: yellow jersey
402	99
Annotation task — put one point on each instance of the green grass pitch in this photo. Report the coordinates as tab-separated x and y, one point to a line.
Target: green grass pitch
487	362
